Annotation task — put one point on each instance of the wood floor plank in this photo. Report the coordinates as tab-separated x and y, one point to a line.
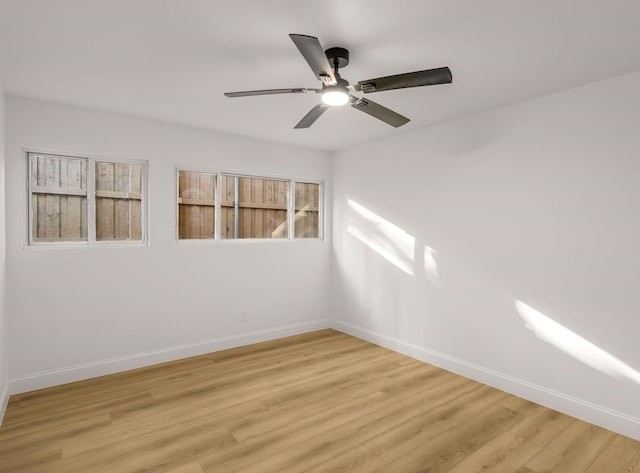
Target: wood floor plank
264	373
524	469
325	445
277	416
621	456
286	438
429	423
315	403
131	431
541	426
454	445
385	410
40	455
50	418
189	468
356	460
573	451
521	405
186	446
506	452
26	439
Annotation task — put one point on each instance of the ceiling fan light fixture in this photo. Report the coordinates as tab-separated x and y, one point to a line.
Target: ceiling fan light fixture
336	91
335	96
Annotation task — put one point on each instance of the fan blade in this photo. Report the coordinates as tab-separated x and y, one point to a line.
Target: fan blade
378	111
248	93
312	51
312	116
441	75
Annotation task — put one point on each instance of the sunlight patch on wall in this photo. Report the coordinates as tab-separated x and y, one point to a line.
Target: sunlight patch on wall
388	240
430	264
574	345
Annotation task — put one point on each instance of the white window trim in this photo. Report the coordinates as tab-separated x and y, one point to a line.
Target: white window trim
91	191
218	199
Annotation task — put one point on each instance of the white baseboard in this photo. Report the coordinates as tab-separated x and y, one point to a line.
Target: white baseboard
114	365
4	401
575	407
599	415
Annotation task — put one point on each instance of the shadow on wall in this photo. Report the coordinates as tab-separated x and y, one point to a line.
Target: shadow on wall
399	249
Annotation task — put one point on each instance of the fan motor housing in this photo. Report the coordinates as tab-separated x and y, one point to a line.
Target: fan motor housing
339	55
341	84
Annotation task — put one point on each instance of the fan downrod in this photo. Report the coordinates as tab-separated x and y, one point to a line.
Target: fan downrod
338	57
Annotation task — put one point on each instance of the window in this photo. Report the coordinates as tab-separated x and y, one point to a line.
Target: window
58	198
307	213
254	207
196	205
233	207
118	201
83	200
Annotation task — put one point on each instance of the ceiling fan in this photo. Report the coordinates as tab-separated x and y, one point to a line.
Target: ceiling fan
336	91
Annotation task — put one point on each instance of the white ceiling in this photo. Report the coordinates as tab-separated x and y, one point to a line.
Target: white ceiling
173	59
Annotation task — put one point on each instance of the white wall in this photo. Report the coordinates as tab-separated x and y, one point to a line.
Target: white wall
538	202
87	311
447	228
4	337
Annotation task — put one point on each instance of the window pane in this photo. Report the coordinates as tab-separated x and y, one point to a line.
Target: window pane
196	200
254	207
118	201
58	198
307	210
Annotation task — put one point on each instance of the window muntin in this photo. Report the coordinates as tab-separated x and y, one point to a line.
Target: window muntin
196	205
76	199
307	210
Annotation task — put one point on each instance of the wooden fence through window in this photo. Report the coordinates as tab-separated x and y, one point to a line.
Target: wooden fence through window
118	201
59	199
261	207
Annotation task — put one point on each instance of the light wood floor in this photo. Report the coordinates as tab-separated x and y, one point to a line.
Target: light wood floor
319	402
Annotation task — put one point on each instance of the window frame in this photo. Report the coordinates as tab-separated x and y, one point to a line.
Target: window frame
219	174
91	240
